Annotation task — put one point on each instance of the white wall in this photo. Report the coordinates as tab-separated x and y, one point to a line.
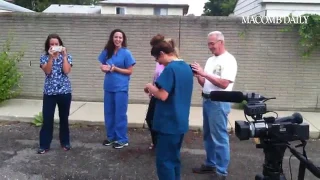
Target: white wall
270	8
296	9
2	10
291	1
248	8
139	10
175	11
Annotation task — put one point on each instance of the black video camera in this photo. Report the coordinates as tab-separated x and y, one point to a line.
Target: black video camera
273	133
290	128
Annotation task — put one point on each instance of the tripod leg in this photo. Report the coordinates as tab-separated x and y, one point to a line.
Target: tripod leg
261	177
272	167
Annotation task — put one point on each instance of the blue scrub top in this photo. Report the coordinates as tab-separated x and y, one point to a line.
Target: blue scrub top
114	81
172	115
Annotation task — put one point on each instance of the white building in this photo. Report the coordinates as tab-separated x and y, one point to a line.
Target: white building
278	8
144	7
79	9
10	7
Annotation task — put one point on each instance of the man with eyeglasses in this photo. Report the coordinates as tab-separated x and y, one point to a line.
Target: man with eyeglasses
218	74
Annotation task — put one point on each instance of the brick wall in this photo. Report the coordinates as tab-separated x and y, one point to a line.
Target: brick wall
269	61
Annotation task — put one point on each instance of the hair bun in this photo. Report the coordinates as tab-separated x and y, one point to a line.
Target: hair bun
171	42
156	39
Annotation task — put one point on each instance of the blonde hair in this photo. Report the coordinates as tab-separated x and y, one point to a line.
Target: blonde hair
168	42
176	50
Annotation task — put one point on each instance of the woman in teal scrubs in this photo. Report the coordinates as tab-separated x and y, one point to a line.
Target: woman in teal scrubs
149	117
173	92
117	63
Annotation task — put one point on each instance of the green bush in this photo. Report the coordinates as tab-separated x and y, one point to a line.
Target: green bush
309	34
9	73
38	120
241	105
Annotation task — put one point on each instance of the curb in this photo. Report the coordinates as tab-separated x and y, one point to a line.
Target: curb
84	122
312	134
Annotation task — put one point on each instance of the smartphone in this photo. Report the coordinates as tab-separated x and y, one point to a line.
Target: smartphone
57	48
192	69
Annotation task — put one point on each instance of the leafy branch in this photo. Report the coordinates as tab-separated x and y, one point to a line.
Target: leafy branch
309	34
243	33
38	120
219	7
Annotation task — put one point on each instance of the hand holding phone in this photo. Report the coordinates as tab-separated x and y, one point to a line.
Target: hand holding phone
192	69
57	48
52	53
197	69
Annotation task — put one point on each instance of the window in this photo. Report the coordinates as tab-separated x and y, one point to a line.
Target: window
120	10
160	11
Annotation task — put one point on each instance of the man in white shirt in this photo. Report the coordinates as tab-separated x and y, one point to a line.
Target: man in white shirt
218	75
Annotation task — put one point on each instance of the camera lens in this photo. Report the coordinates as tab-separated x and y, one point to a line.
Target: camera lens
242	130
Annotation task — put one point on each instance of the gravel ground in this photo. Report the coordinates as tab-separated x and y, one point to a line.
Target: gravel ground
89	160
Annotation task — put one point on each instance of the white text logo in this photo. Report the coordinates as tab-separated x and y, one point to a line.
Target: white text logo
275	20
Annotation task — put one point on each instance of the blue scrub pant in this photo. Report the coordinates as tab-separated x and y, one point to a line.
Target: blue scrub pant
215	134
168	156
115	115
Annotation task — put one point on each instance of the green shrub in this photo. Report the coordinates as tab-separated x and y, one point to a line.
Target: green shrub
9	73
309	34
38	120
241	105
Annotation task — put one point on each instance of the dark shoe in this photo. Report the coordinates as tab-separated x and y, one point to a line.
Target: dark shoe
119	145
66	147
42	151
203	169
108	143
217	176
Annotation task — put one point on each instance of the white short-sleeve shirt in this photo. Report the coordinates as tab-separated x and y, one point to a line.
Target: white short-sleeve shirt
225	67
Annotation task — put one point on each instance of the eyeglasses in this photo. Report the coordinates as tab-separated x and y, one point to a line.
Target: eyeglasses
158	56
213	43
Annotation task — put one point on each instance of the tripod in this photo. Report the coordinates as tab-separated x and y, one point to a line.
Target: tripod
272	167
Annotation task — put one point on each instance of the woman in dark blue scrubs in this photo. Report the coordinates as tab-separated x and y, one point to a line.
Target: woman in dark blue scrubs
57	92
117	63
173	92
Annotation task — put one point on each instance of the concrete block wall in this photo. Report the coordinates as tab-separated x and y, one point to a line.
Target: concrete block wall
269	60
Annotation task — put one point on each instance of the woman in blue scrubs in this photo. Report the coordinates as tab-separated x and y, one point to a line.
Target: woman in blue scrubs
158	70
117	63
173	92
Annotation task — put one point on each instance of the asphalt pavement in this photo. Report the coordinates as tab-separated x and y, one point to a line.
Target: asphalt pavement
89	160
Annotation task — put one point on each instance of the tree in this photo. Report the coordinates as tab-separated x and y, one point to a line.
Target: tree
219	7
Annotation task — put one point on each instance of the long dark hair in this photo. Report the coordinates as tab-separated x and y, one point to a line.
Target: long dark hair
110	47
47	43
